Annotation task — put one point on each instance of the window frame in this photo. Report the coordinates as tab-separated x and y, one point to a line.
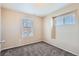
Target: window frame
71	22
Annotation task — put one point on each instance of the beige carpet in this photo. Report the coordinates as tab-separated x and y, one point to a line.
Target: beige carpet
37	49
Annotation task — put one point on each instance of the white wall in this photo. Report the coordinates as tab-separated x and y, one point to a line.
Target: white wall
11	22
0	23
0	28
67	36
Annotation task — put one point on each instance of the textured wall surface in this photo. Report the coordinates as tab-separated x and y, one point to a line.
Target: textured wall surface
12	29
67	36
0	28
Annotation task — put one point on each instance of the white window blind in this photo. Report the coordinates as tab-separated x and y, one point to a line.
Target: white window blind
59	20
27	28
69	18
65	19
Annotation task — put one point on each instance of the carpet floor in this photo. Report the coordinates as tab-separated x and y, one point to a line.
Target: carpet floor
37	49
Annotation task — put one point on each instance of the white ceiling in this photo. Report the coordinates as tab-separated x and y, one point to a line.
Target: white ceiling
38	9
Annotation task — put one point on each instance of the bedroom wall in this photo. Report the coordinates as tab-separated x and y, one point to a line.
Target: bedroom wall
0	28
12	29
67	36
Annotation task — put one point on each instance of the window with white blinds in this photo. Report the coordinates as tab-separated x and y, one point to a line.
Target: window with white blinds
65	19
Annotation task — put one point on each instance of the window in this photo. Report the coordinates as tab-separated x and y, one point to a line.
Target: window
59	20
69	18
27	29
27	23
65	19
